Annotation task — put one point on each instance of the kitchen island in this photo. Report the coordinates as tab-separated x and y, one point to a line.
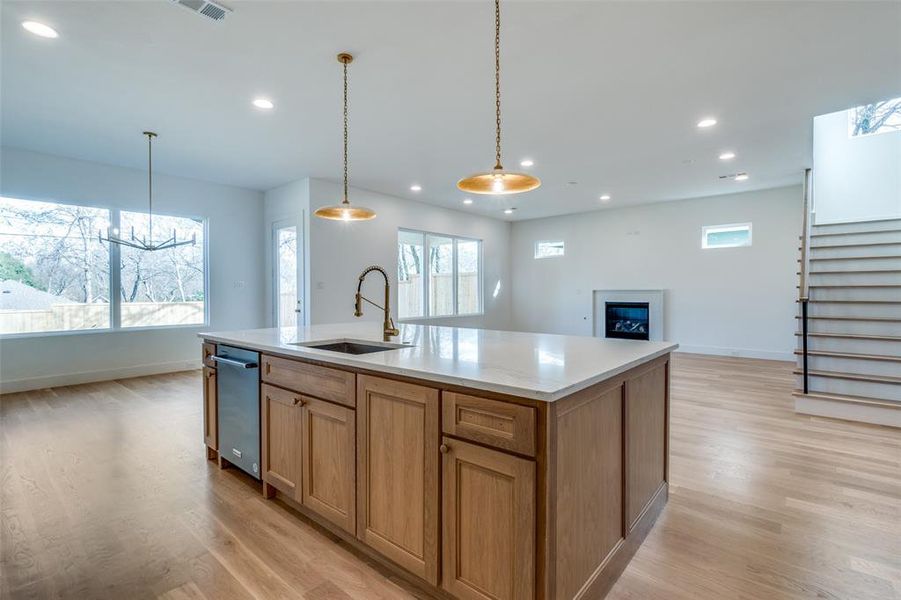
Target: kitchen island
477	463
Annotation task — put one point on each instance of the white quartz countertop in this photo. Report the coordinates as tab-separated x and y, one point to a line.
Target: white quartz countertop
531	365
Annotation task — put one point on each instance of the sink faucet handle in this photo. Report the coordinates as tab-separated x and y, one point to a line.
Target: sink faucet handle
391	329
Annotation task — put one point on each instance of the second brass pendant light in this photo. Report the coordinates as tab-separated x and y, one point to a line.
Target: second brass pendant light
344	211
498	181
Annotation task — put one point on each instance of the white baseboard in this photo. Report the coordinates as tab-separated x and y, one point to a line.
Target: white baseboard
738	352
49	381
836	409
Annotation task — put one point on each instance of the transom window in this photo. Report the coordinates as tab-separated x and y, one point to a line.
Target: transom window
56	275
550	249
726	236
438	275
879	117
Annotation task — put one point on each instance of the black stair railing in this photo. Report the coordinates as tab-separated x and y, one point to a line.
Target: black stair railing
803	287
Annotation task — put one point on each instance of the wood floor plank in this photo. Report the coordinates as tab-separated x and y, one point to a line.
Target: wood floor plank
106	494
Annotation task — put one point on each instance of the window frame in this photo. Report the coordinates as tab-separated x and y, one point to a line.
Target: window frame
115	279
539	242
706	229
455	275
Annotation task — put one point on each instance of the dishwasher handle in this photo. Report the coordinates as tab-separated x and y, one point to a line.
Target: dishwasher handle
234	362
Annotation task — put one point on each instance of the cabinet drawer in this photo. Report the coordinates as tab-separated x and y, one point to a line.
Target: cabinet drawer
500	424
209	350
313	380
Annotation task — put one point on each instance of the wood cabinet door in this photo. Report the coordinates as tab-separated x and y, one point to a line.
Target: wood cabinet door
488	523
397	472
328	463
281	442
210	410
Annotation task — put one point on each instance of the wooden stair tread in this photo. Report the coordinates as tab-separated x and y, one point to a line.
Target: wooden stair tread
862	245
847	398
816	233
880	319
812	301
852	258
852	376
853	336
851	355
855	272
853	285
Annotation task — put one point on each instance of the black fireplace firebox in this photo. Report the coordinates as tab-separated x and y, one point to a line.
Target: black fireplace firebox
629	320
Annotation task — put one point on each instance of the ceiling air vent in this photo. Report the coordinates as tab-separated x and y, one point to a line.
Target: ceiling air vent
208	9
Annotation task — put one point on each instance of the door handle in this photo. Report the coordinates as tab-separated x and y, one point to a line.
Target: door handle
242	364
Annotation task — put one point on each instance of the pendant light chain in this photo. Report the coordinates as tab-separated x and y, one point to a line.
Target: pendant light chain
497	181
345	132
497	81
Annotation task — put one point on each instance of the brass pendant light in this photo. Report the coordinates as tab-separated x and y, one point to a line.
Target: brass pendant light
344	211
498	181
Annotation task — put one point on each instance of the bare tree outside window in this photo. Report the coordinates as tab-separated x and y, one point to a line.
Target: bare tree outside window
55	273
164	287
438	275
879	117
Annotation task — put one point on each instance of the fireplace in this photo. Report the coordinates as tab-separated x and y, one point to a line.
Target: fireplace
628	320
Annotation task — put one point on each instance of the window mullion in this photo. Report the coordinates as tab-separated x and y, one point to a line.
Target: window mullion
454	277
115	275
427	275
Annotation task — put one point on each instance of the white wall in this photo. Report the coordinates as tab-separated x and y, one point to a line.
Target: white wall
340	251
235	218
737	301
854	178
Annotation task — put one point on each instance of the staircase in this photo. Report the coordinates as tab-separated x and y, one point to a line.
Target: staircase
851	276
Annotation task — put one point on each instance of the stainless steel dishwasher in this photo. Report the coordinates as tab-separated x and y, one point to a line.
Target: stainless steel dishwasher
238	382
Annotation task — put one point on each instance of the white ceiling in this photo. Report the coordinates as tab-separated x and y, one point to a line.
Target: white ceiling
605	94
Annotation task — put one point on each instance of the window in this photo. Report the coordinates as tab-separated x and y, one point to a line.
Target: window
56	275
726	236
54	272
879	117
550	249
438	275
163	287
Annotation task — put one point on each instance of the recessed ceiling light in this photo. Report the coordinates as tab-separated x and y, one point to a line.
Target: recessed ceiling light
509	211
40	29
727	155
526	163
467	201
741	177
263	103
416	187
707	122
605	198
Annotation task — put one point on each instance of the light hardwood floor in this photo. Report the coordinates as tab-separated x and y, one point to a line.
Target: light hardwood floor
106	494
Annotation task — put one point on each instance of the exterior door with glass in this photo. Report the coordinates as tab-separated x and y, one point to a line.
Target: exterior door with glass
287	278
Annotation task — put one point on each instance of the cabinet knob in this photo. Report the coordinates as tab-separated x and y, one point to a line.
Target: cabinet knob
443	448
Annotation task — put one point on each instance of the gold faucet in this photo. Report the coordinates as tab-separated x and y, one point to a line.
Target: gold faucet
388	328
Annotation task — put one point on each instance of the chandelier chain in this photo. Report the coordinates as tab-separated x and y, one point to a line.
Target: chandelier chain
345	132
497	82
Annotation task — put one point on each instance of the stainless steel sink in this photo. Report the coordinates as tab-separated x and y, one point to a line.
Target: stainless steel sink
348	346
